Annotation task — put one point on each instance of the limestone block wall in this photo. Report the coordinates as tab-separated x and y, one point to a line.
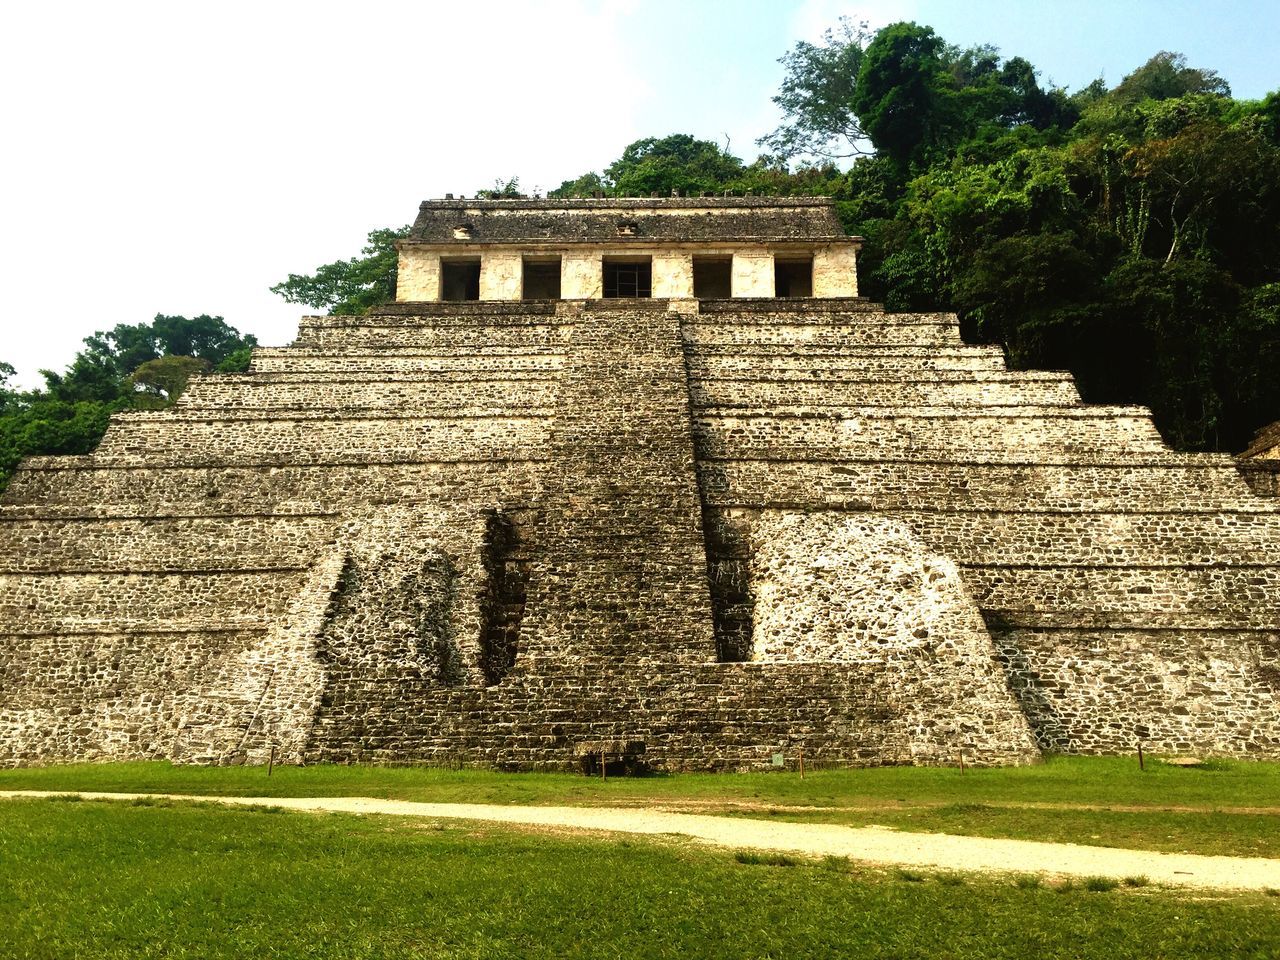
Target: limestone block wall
1173	690
835	271
501	276
673	275
752	273
861	588
417	276
1263	476
484	533
581	277
1109	570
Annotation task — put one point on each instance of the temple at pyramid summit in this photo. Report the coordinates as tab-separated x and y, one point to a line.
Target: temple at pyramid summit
642	482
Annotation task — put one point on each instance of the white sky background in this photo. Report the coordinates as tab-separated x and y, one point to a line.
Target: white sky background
182	157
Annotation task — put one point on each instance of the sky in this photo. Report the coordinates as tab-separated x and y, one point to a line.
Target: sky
182	157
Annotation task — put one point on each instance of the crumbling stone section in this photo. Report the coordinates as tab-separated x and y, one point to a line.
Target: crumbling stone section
840	589
508	559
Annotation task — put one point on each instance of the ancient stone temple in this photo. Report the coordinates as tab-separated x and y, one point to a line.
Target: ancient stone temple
638	476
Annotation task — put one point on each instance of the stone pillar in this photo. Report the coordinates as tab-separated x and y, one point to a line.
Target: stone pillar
417	276
581	276
753	274
835	271
501	276
673	276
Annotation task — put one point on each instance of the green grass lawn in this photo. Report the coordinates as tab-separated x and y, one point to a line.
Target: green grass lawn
1140	806
111	880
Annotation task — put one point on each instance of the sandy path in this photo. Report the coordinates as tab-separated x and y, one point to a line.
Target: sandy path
874	845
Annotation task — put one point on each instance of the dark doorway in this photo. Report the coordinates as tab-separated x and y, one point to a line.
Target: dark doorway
713	278
460	279
541	279
793	277
624	279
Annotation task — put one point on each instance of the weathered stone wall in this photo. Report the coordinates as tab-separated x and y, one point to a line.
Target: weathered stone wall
1263	476
1108	568
489	532
862	588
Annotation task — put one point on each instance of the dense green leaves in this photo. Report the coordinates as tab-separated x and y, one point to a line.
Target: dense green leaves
1128	235
350	287
817	96
132	366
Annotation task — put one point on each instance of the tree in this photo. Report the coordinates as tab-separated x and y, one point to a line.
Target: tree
1167	75
165	378
502	190
132	366
587	185
350	287
899	94
129	345
677	163
816	97
237	362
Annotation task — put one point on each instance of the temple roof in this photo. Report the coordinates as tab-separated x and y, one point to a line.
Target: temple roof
639	220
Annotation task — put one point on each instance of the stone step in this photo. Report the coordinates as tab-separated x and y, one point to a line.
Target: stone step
365	335
170	437
834	378
824	314
168	544
458	360
1151	539
1160	482
944	433
722	360
1223	597
97	487
131	603
728	393
403	395
925	333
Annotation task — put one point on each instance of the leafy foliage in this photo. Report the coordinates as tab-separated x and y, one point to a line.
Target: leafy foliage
132	366
817	94
674	164
1127	235
350	287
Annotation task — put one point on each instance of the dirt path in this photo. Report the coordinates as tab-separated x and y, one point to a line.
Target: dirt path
873	845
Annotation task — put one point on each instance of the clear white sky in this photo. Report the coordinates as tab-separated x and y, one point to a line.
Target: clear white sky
181	157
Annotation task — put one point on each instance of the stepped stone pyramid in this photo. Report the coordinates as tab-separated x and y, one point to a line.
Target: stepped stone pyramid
623	476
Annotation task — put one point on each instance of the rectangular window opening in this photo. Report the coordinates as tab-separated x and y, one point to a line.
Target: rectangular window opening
541	279
713	278
460	279
793	277
628	278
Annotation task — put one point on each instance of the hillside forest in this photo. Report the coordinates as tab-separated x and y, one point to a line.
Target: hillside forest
1125	233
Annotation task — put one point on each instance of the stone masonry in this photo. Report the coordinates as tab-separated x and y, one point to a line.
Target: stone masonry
480	526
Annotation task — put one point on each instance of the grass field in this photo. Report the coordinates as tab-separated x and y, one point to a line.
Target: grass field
1106	801
113	880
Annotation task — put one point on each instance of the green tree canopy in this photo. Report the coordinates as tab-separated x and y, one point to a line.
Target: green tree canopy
350	287
677	163
816	97
165	378
131	366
